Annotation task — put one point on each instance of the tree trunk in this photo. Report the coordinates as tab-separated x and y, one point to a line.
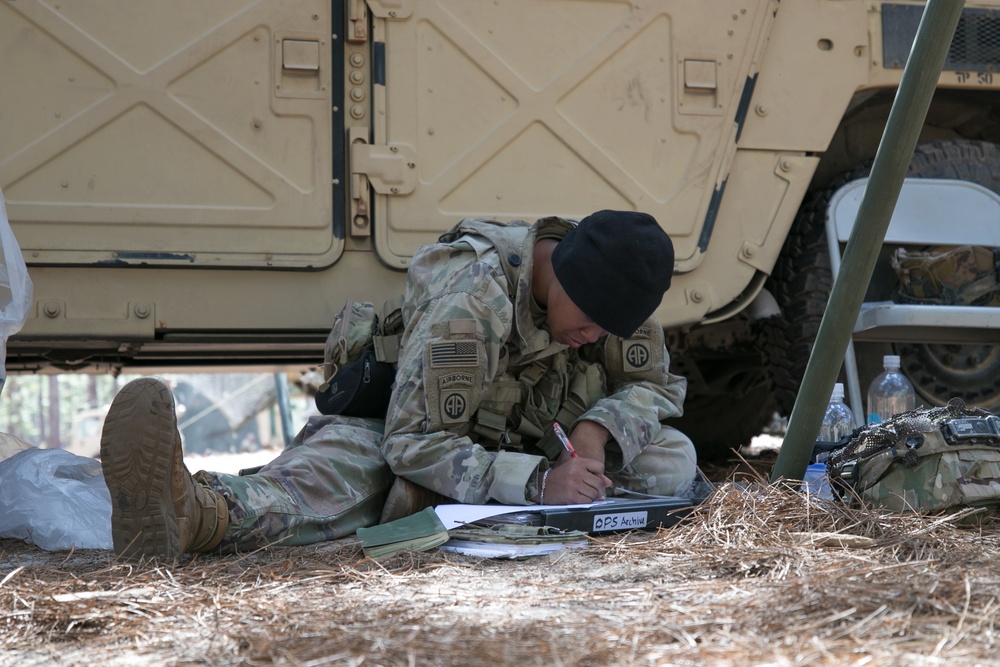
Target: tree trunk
91	391
55	439
40	413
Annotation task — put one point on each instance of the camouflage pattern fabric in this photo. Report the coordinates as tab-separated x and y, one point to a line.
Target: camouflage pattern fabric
944	478
909	464
327	483
350	334
475	359
961	275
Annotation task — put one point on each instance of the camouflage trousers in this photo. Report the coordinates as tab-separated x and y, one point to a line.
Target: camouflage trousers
665	468
329	481
332	480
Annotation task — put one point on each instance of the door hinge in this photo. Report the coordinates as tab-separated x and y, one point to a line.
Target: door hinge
391	170
357	21
357	15
391	9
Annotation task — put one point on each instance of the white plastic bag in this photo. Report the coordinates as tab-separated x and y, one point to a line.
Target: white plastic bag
15	288
55	500
10	445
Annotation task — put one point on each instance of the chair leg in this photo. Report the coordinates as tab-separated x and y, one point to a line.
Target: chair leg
854	385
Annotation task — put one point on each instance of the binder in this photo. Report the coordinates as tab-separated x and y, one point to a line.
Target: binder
620	514
612	515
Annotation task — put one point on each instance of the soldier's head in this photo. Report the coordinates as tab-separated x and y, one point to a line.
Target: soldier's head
612	271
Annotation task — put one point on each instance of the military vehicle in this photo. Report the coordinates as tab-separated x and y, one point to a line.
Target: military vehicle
205	183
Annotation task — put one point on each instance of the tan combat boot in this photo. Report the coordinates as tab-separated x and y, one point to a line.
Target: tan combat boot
406	498
157	509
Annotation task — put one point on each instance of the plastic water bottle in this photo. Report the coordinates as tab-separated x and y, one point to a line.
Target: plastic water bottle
890	393
838	421
816	482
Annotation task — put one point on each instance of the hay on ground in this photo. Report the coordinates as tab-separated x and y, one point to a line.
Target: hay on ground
757	575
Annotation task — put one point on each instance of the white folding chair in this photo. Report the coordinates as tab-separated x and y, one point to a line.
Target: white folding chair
930	212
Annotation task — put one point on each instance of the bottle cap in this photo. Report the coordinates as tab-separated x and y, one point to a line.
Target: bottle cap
891	361
838	391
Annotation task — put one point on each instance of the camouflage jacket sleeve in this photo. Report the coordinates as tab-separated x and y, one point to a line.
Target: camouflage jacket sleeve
633	411
458	318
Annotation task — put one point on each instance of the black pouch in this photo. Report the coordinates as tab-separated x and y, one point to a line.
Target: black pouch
361	388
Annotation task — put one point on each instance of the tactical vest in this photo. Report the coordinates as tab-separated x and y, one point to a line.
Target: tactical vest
519	408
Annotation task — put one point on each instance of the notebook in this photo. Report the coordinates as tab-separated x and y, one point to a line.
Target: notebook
418	532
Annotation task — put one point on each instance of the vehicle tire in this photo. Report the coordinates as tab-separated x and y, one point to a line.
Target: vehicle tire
718	434
801	283
731	397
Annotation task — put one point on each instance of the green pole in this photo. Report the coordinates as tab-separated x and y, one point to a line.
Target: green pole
909	109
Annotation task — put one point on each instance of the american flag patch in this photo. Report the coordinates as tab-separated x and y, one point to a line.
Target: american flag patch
446	355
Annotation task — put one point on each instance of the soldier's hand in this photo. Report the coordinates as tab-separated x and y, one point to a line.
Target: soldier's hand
576	480
589	439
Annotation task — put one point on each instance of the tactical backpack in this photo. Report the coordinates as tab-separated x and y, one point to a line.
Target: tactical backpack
359	360
951	275
929	460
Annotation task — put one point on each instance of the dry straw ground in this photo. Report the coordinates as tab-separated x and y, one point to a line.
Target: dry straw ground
757	576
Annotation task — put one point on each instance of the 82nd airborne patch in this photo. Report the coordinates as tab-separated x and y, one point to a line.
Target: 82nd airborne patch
455	391
636	355
453	377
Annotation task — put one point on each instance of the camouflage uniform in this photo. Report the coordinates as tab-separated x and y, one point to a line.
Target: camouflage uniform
478	385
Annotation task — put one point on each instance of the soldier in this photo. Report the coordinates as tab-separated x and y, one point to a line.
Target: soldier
508	329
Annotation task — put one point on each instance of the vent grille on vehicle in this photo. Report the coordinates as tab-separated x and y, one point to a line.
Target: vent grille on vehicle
975	48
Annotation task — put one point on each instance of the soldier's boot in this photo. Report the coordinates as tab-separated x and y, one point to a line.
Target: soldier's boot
157	509
406	498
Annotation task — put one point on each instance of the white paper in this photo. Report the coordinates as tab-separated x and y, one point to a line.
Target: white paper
492	550
453	516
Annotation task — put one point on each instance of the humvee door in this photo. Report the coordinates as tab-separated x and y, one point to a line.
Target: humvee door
522	108
169	133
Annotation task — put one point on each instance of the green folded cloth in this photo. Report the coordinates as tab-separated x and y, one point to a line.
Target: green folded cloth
417	532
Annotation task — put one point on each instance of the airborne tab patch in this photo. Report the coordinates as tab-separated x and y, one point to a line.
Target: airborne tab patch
452	379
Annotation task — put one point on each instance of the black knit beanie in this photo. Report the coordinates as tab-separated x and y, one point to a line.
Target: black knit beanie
615	266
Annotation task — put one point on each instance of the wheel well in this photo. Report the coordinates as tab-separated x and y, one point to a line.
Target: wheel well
953	114
743	367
